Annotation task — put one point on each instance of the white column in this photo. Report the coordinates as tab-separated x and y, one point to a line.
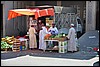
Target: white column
3	18
90	15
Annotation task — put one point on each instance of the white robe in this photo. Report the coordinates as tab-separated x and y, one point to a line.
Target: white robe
42	33
32	38
72	40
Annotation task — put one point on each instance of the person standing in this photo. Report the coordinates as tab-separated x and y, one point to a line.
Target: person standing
53	30
42	33
71	39
39	25
32	38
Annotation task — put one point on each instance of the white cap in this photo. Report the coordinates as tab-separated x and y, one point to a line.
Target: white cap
72	24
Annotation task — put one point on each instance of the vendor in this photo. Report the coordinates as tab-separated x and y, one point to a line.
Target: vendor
53	30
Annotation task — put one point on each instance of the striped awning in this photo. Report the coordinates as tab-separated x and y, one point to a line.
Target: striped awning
38	13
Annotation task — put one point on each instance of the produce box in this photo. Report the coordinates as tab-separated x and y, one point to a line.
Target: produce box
16	45
16	48
63	46
62	50
16	41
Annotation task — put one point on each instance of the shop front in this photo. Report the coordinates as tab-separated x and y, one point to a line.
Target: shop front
47	14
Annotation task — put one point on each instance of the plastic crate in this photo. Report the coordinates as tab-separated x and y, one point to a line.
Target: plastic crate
63	47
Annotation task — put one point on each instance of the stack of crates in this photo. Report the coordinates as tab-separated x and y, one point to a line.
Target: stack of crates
16	45
62	46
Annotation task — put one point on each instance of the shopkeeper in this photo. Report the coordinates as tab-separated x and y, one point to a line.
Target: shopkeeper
53	29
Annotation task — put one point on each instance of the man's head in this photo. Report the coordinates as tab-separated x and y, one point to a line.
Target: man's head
53	25
31	18
71	25
40	21
42	24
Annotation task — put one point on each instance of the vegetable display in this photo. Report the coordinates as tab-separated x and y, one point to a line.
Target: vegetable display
5	45
7	42
60	37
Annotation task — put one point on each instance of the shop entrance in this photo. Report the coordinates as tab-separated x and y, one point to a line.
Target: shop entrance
42	19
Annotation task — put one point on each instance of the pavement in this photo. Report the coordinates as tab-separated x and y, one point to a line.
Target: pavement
28	60
39	58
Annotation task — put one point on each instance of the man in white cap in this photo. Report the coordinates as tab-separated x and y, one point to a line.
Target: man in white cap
71	39
53	29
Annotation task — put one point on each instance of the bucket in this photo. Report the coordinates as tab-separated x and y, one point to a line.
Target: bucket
20	48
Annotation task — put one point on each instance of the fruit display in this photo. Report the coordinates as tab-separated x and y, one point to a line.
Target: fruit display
60	37
47	36
8	42
5	45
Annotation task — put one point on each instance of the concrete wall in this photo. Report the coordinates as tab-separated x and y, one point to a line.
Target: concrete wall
7	26
90	15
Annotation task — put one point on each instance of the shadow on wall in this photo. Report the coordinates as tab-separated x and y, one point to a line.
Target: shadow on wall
22	33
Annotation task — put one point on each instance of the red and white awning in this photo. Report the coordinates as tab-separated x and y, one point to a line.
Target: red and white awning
36	12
